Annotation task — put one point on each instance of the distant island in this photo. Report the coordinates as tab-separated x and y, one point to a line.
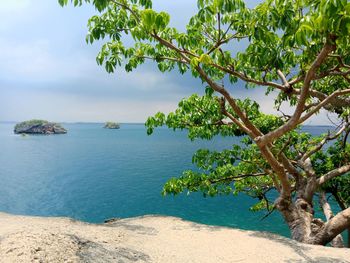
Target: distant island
39	127
112	125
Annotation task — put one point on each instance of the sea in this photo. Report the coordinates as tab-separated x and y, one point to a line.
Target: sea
94	174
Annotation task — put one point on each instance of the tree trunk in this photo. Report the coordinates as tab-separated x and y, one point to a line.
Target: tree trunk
299	216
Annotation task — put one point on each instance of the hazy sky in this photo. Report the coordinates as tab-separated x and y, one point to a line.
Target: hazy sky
48	71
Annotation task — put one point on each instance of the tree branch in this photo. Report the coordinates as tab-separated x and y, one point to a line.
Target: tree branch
242	76
283	78
333	227
253	130
125	6
334	173
340	60
233	119
235	177
327	210
165	58
294	120
322	143
322	104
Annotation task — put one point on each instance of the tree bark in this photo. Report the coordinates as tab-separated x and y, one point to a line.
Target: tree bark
338	240
299	216
342	205
333	227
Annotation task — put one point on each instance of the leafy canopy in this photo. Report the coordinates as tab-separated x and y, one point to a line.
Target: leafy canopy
299	49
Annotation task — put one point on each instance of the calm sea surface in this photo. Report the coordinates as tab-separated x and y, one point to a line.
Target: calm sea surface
93	174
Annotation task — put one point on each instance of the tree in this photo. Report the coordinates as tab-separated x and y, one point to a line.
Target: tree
298	50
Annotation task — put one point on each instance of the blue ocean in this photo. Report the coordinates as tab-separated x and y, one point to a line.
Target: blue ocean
93	174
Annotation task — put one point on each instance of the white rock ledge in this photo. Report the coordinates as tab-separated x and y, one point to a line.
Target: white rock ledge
148	239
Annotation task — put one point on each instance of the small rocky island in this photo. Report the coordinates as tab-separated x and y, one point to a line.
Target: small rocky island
39	127
111	125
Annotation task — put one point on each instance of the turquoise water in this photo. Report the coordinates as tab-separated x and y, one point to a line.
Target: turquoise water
93	174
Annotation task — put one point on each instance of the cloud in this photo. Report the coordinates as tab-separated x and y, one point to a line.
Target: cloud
47	69
39	61
38	66
13	5
14	13
18	106
25	60
179	19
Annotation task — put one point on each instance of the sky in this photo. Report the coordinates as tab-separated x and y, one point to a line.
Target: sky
47	71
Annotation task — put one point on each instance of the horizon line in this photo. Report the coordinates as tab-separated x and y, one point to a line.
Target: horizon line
101	122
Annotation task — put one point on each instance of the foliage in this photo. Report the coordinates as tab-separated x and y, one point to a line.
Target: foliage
112	125
203	118
337	155
29	123
297	49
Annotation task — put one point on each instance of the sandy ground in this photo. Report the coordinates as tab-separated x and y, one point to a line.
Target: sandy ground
147	239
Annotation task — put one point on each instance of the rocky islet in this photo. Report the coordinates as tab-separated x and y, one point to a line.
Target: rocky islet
39	127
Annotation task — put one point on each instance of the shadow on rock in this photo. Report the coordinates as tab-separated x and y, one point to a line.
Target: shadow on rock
299	249
93	252
139	229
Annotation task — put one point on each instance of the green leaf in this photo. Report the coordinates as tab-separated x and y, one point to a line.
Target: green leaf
148	18
205	59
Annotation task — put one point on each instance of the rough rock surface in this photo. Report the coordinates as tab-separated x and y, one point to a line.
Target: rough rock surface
112	125
39	127
148	239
